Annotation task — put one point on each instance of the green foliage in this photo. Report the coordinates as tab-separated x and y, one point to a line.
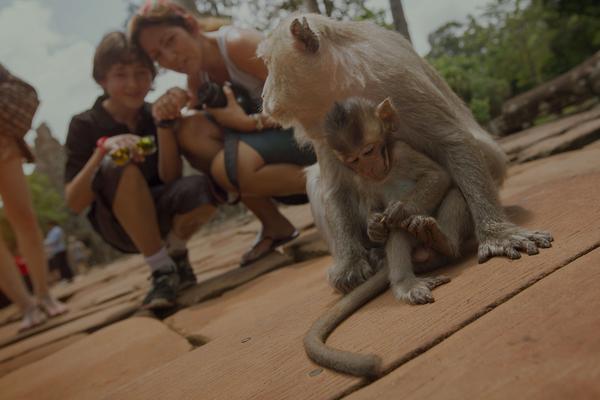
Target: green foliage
47	203
267	13
512	47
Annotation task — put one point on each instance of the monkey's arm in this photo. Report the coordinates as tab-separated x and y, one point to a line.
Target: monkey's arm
337	203
439	124
339	360
431	185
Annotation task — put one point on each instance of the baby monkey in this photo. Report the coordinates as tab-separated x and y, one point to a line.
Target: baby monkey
399	191
399	187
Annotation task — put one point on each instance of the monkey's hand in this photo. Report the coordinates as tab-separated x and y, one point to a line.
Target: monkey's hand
397	212
349	272
377	230
507	239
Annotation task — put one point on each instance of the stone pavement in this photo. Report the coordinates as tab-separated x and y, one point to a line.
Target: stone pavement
523	329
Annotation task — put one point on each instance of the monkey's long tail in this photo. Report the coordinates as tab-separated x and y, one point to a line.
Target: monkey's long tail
339	360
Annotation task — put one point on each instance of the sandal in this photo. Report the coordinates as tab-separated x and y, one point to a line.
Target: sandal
274	243
32	317
52	307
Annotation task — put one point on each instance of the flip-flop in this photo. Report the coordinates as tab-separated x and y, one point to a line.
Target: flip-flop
274	244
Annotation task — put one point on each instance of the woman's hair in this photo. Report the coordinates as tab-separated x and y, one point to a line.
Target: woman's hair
163	12
114	48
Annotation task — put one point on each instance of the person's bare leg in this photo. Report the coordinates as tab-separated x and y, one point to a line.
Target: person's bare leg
13	287
257	178
199	141
11	282
274	225
134	208
19	211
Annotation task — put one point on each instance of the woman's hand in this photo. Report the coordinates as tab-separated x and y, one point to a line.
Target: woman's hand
232	115
169	105
126	140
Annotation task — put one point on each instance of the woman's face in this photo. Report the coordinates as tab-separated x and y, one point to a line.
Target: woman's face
173	47
128	84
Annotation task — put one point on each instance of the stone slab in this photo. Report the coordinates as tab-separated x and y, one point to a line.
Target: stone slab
542	344
38	353
89	322
562	166
97	364
521	140
219	284
573	139
256	348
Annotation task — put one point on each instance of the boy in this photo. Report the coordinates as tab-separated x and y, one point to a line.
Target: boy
135	206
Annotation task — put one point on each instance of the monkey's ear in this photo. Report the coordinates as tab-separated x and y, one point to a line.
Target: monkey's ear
304	35
386	111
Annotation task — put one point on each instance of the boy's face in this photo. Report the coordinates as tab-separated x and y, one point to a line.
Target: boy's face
128	84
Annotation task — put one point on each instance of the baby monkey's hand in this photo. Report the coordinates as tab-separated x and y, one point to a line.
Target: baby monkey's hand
377	229
397	212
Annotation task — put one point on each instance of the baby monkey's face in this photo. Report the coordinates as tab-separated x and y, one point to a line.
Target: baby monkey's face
358	132
370	159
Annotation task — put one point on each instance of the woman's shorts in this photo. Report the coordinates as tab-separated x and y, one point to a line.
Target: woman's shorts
275	146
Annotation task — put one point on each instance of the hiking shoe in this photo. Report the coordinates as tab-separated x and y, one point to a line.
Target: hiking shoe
187	277
165	283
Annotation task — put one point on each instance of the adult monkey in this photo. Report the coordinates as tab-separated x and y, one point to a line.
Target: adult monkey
314	61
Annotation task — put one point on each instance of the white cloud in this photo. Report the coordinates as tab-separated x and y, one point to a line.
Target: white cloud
58	66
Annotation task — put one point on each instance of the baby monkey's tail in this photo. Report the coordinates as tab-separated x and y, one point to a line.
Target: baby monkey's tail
344	361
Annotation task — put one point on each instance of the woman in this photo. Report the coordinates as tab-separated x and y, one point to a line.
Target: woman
259	160
18	102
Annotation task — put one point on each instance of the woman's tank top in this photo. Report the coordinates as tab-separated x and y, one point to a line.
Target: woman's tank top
236	75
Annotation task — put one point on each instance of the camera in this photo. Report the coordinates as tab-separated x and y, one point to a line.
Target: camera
211	94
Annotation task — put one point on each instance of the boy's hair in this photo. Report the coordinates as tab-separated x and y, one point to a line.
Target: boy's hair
114	48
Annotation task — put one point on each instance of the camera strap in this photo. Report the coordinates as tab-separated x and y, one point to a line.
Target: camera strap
230	152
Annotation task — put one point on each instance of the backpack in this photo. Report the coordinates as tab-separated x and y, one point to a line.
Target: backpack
18	103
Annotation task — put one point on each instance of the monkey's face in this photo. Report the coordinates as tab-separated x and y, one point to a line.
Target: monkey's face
371	161
295	64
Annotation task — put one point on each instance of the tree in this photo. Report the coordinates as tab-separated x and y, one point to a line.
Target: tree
312	6
399	19
512	47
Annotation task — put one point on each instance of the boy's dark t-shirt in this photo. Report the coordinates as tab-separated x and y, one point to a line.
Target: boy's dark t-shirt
89	126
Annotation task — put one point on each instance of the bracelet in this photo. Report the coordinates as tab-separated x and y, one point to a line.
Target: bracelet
100	144
258	121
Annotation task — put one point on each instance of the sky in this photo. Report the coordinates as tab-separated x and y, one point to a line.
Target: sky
50	44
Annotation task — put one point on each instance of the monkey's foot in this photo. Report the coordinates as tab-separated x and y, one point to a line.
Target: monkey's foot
418	290
426	229
506	239
345	276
